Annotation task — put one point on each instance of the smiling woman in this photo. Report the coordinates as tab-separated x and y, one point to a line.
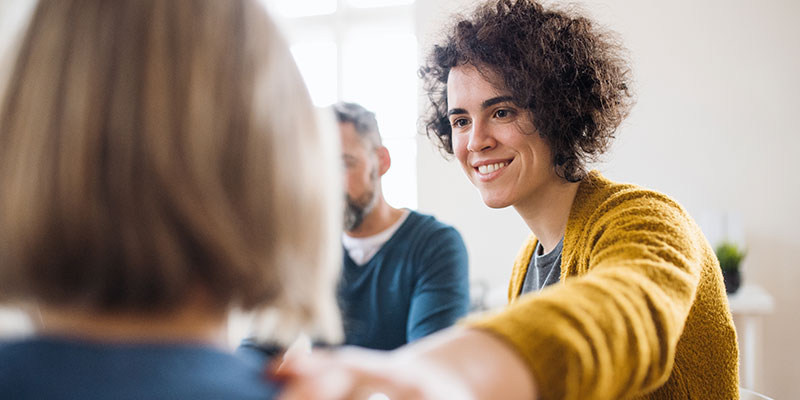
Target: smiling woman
525	97
569	76
495	140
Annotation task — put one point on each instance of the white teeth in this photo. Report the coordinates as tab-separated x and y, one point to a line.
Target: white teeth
489	168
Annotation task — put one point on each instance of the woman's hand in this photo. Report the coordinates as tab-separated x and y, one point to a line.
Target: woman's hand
457	364
353	373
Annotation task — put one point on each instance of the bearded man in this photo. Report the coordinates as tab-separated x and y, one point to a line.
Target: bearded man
405	274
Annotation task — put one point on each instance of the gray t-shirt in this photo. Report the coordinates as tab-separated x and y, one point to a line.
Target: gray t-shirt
544	269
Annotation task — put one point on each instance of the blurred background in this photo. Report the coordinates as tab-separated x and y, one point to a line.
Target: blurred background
715	126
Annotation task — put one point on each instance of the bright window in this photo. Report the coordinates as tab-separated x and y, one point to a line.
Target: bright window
363	51
304	8
377	3
316	60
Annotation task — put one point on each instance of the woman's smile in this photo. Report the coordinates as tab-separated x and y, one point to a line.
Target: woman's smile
490	169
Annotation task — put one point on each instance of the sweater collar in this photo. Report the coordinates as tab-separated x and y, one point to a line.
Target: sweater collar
582	206
588	198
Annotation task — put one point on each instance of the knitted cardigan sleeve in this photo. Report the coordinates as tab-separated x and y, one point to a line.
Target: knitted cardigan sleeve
631	264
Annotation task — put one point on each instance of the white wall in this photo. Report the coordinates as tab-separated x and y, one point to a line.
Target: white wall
716	127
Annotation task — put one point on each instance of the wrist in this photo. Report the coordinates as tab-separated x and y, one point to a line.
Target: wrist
478	362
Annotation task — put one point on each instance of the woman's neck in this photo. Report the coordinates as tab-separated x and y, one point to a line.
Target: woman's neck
187	324
547	212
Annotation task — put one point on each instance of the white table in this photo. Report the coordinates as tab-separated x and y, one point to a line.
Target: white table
748	305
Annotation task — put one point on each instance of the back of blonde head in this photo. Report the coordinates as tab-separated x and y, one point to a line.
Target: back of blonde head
148	148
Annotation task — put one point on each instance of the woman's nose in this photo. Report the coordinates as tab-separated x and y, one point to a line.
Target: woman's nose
480	139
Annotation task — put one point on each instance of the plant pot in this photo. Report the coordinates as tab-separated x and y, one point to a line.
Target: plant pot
733	279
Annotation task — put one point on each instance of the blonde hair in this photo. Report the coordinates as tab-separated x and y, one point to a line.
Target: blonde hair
148	147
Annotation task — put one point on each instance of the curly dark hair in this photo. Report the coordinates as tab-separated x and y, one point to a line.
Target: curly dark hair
570	75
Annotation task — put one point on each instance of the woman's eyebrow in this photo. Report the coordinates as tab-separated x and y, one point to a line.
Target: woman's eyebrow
494	100
486	104
454	111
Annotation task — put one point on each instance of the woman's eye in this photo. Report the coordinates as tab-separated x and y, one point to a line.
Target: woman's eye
459	123
502	113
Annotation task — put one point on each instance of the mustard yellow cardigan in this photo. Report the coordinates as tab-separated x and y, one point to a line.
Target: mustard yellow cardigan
640	310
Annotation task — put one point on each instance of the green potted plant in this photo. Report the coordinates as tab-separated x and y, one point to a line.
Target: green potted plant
730	257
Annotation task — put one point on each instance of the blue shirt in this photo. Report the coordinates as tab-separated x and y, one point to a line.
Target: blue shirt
417	284
58	369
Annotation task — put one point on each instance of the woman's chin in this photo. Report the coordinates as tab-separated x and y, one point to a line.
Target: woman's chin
495	202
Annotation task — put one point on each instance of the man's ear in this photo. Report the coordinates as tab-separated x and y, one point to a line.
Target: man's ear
384	160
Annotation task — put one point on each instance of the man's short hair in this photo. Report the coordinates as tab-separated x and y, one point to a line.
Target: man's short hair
362	119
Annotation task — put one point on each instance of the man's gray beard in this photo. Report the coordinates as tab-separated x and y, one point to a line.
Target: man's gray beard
357	209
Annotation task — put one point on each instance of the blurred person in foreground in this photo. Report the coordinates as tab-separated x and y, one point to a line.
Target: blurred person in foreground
617	294
144	148
405	275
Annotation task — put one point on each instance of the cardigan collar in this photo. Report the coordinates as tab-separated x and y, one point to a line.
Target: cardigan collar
582	206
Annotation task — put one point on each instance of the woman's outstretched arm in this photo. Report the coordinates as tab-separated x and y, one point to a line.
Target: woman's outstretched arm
457	363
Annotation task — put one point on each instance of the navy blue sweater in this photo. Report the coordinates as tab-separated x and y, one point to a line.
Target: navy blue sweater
416	284
56	369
